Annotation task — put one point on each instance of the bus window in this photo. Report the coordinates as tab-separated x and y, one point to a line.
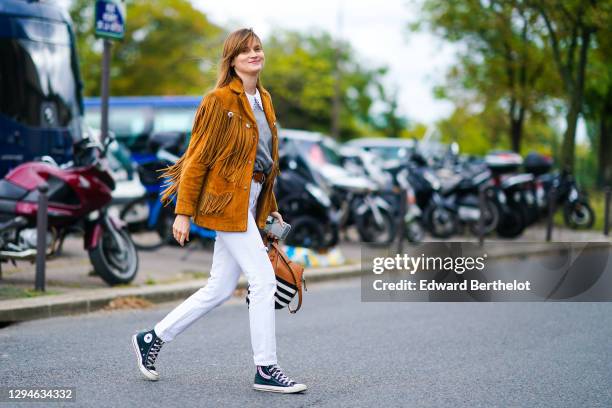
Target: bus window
37	86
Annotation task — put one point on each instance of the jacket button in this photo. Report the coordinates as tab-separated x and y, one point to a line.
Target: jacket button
245	187
248	125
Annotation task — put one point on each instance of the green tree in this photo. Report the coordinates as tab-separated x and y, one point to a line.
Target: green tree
569	27
299	73
598	96
500	65
169	48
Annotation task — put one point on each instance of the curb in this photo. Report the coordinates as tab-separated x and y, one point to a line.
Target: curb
92	300
95	299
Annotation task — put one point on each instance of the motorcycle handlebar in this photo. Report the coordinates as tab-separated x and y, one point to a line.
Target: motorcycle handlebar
14	223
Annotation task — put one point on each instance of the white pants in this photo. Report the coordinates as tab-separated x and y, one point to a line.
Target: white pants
233	252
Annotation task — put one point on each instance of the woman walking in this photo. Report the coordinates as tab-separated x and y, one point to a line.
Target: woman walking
224	182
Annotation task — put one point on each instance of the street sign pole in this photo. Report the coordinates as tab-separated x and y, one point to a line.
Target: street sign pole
109	25
105	88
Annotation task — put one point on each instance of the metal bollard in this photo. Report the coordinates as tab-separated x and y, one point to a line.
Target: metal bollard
41	237
607	211
481	206
552	204
401	228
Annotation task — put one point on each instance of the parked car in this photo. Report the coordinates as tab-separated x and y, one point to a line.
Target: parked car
388	149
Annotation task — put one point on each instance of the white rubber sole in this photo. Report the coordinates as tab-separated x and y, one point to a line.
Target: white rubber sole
282	390
148	374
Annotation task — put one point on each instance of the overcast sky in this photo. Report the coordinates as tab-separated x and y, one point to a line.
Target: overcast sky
376	29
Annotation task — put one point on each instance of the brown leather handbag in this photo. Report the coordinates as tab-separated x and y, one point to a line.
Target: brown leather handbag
289	277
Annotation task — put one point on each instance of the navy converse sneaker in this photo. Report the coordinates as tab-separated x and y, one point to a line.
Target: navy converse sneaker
147	346
271	378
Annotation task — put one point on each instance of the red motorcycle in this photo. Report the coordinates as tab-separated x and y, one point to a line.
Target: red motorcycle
78	194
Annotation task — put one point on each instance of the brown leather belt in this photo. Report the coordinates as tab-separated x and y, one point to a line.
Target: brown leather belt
259	176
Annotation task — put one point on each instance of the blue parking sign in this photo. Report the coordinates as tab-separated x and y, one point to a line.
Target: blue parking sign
110	19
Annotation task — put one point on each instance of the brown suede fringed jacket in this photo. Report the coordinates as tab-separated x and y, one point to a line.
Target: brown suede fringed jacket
212	180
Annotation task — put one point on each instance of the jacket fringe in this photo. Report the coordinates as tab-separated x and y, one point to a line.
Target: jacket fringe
171	176
211	203
220	137
239	154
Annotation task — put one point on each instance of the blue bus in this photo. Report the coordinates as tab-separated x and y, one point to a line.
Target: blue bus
41	103
134	118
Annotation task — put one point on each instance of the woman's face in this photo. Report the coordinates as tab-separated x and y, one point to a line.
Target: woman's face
251	59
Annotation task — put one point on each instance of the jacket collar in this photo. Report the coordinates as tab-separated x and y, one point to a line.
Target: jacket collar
236	86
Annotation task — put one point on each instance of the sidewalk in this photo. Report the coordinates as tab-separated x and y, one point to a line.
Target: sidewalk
173	273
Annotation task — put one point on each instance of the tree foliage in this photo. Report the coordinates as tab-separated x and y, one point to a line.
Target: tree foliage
534	59
501	68
169	48
300	74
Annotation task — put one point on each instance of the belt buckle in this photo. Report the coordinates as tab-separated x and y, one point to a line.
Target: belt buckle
263	177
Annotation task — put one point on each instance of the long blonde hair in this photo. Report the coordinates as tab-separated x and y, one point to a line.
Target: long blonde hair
232	46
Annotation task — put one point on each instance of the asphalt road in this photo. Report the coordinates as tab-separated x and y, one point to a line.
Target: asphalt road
349	353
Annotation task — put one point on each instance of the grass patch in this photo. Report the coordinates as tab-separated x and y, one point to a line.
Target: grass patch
198	275
150	281
598	202
11	292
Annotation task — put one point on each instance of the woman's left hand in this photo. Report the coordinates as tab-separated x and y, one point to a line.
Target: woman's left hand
279	217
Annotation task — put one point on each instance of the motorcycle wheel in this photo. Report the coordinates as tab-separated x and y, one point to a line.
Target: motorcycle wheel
147	238
441	222
306	231
491	219
115	258
511	224
414	232
579	215
332	237
375	234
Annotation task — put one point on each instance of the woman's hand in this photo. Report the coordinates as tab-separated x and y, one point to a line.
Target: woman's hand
180	228
279	217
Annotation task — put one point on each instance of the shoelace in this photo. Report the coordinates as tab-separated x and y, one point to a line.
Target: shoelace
153	352
277	373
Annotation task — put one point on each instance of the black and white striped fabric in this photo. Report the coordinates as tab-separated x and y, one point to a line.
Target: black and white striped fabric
285	292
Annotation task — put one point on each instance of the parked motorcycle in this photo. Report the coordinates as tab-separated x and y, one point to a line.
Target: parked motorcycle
461	190
413	223
577	212
78	195
304	200
439	215
516	193
391	181
356	198
147	219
